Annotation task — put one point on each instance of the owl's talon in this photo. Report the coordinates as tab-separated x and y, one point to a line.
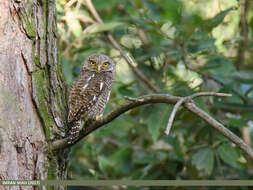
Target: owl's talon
98	117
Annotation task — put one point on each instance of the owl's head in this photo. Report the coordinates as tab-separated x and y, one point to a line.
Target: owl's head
99	63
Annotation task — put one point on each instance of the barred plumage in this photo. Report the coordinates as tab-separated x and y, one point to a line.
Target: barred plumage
90	92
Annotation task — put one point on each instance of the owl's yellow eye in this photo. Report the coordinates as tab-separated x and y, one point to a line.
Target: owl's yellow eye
106	64
92	63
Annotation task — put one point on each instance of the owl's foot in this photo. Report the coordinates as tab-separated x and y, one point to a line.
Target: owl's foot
72	140
73	136
93	119
74	131
98	117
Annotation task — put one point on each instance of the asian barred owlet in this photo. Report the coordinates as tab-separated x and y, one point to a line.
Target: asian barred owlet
90	92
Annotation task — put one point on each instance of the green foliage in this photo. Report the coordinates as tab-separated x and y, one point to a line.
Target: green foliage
204	159
229	155
182	47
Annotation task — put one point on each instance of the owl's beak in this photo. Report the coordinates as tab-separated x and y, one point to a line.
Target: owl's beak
99	68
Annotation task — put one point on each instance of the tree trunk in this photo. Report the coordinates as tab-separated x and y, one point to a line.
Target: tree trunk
32	92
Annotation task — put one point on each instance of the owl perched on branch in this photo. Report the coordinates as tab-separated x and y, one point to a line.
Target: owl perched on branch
90	92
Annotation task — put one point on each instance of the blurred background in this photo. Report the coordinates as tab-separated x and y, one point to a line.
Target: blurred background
182	47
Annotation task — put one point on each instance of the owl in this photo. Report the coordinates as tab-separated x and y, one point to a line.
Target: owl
90	92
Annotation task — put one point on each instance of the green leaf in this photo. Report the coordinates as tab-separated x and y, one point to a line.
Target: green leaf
229	155
103	5
122	160
131	41
204	159
213	22
169	9
238	123
105	27
121	122
153	126
142	157
248	115
124	91
219	65
235	106
73	23
200	46
67	70
106	165
157	119
245	77
174	141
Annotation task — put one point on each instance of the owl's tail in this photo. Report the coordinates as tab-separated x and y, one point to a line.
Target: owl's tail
74	130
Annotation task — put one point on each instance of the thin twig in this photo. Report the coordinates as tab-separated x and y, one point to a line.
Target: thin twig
93	11
249	91
70	3
172	115
115	44
136	71
189	98
209	94
133	99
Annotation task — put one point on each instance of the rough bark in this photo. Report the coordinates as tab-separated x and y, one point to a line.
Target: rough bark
32	92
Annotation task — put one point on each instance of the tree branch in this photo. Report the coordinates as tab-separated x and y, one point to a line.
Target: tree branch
172	115
129	61
221	128
156	98
187	99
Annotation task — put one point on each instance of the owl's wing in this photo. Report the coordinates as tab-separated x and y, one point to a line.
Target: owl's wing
84	94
